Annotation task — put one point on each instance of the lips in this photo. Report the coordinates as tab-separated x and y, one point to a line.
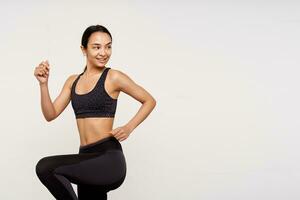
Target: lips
101	60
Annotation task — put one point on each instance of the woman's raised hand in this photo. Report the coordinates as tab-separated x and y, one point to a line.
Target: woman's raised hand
41	72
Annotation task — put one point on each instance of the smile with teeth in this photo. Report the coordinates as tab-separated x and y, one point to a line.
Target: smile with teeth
101	59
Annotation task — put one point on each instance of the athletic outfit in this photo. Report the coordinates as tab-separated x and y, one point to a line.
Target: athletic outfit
99	166
96	103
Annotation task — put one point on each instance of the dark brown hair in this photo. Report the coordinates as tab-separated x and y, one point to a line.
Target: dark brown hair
88	32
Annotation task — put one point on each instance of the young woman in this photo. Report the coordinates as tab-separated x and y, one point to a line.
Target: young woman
100	165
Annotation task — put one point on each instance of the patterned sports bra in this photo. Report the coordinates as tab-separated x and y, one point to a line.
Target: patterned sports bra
96	103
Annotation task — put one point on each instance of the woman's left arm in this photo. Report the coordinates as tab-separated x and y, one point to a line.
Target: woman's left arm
125	84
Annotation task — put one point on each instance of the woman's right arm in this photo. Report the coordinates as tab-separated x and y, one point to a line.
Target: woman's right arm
52	110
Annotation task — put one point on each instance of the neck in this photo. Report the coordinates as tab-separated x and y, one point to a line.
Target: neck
92	70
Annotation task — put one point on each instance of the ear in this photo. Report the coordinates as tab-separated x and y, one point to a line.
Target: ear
83	50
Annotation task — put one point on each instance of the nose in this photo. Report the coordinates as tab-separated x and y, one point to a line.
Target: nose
102	51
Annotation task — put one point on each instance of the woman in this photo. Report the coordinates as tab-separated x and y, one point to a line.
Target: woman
100	165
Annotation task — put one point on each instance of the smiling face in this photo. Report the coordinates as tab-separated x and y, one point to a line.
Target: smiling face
99	49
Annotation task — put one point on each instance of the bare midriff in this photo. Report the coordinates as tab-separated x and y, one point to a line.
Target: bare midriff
93	129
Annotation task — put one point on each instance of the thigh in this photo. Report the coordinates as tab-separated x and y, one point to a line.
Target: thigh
105	169
50	163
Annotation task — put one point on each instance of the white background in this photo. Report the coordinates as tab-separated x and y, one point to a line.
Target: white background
225	75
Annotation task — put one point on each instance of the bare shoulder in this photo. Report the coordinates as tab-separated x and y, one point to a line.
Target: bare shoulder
70	80
121	80
124	83
113	72
117	75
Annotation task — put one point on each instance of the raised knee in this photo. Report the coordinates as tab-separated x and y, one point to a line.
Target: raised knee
42	167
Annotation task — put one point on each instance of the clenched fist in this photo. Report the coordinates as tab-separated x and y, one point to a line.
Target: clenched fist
41	72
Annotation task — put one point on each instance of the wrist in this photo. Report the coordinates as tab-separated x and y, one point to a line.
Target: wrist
130	127
43	84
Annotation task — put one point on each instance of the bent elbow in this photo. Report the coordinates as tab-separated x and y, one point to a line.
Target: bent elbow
154	101
49	119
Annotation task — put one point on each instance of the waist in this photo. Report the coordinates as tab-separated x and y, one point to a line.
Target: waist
94	127
104	144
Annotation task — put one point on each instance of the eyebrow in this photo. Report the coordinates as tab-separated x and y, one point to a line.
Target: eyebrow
100	44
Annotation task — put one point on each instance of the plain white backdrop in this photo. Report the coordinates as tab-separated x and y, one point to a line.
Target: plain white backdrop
225	75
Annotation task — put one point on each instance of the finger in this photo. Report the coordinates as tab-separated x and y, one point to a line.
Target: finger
42	70
45	63
115	131
41	65
123	138
118	136
45	69
119	133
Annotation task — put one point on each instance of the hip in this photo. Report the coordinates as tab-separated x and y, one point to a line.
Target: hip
104	144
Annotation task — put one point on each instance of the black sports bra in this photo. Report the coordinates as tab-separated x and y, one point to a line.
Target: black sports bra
96	103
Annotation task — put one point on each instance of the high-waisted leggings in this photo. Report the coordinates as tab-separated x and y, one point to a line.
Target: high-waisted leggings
98	168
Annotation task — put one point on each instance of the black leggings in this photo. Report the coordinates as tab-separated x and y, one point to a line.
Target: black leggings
98	168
